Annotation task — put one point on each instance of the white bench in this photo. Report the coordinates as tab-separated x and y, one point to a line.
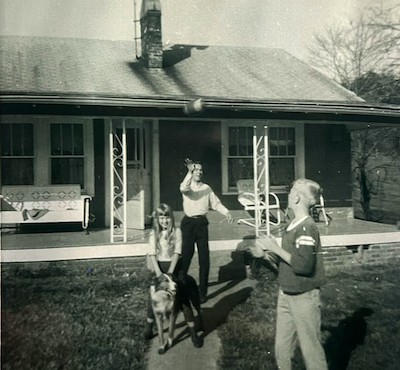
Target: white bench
21	204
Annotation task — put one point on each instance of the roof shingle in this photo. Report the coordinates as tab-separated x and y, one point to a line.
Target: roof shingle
42	65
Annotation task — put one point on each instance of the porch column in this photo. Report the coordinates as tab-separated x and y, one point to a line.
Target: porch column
155	173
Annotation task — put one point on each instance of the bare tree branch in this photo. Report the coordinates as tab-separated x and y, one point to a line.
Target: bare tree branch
369	44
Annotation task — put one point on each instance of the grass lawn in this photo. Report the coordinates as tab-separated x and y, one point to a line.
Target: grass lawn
59	318
360	322
73	319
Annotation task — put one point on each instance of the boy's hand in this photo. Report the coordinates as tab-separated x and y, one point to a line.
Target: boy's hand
229	217
190	165
256	251
269	243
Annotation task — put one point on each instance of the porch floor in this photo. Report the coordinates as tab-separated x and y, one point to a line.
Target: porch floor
67	243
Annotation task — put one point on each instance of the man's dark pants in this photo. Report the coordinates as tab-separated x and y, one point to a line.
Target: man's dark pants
195	230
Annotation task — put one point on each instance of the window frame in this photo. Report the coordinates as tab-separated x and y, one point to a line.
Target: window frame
41	139
23	156
299	167
66	156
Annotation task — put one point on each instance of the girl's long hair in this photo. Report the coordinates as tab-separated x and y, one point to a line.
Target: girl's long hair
164	210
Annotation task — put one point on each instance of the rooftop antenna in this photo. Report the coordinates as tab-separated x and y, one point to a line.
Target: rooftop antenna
136	24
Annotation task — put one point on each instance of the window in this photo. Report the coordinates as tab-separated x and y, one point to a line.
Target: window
285	150
240	157
282	154
17	154
67	153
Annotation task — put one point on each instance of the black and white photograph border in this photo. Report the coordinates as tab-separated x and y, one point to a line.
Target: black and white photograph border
113	109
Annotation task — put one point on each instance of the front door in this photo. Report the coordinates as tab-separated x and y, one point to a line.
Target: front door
135	182
138	174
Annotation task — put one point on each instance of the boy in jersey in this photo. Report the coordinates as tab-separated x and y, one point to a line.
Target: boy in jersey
301	273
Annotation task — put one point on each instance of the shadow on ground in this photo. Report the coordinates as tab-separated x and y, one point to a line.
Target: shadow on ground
216	315
345	338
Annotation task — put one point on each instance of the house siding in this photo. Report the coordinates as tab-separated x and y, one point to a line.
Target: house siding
327	161
98	204
197	140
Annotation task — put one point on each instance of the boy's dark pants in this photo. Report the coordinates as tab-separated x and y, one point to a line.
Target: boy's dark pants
195	230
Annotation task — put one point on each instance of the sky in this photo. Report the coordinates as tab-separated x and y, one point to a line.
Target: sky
285	24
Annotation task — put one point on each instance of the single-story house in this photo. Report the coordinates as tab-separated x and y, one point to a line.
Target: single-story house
78	111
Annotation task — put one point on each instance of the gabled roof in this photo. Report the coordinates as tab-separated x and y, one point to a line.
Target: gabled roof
105	68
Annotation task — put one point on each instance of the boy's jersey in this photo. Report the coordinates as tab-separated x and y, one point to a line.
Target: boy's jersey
306	271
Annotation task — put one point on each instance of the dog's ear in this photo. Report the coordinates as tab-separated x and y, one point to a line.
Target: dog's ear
170	281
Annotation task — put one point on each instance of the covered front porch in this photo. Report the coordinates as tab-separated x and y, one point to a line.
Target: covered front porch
70	244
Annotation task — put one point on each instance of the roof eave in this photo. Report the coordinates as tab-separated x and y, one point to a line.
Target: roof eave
210	103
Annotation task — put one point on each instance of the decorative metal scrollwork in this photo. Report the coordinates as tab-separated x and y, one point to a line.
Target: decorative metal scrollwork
118	183
261	177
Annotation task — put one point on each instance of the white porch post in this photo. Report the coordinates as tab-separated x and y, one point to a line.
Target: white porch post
257	211
266	177
261	178
118	199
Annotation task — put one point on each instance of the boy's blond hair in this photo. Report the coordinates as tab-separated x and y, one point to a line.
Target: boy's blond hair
310	191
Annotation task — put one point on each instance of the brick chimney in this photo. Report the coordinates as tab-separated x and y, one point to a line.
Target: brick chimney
150	27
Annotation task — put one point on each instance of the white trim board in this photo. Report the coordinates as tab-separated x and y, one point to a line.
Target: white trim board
136	250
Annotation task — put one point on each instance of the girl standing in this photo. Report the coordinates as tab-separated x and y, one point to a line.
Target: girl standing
165	241
166	247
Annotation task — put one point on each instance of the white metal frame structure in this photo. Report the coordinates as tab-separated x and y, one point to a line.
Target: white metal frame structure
319	208
261	178
118	170
248	200
260	187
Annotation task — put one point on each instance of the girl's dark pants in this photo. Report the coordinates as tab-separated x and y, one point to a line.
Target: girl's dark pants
195	230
